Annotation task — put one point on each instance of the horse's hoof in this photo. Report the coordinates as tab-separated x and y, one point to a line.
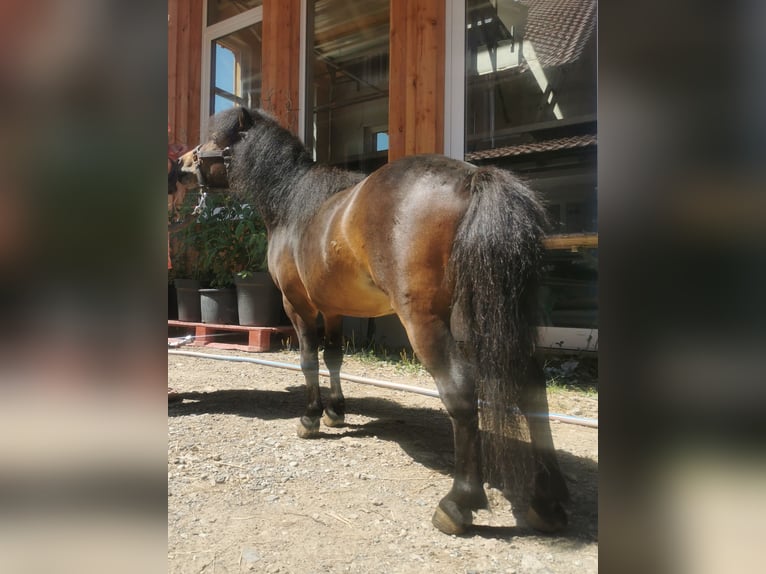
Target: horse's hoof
450	519
333	420
305	431
548	518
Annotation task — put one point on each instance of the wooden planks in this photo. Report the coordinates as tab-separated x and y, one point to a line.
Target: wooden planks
281	60
194	92
417	45
255	339
416	77
184	67
172	64
572	241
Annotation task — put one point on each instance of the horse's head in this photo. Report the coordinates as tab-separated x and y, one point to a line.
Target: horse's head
207	164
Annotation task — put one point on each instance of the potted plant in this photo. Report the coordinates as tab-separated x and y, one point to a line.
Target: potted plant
219	257
226	245
258	300
186	274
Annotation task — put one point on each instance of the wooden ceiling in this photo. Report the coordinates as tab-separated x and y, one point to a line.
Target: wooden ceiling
345	30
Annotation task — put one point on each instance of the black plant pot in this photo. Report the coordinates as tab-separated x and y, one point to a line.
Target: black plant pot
258	300
172	303
187	294
219	306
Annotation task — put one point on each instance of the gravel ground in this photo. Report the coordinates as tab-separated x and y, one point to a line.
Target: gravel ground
245	494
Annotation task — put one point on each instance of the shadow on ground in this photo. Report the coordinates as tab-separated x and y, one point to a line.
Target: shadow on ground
423	433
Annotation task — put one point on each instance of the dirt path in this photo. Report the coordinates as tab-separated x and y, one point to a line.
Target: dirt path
246	495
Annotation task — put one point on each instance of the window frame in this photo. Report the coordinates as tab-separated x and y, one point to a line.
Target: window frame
567	339
209	35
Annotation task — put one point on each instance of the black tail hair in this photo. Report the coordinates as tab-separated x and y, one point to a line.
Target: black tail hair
496	265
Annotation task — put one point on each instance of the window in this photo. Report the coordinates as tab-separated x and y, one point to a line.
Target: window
347	87
523	86
225	78
220	10
232	56
381	141
530	70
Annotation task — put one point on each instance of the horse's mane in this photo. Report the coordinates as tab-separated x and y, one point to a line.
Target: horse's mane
272	167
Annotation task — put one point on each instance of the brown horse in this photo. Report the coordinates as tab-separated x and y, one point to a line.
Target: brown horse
452	249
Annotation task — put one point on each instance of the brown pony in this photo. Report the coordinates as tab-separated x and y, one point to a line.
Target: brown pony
452	249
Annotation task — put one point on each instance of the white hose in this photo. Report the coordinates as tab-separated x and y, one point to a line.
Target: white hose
593	423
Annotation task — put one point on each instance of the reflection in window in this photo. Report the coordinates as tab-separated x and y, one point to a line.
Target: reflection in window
381	141
348	82
236	69
225	78
530	107
570	196
219	10
569	291
530	66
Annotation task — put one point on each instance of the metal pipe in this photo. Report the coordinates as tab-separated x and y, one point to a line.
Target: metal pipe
323	372
593	423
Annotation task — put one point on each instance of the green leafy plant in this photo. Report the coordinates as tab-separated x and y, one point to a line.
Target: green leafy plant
228	238
185	243
252	241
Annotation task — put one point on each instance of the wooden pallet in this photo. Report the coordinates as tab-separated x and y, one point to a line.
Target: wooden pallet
243	337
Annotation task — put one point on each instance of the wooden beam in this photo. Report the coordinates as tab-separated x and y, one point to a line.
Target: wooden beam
416	77
184	70
281	61
429	98
345	27
572	241
194	88
397	79
172	66
182	76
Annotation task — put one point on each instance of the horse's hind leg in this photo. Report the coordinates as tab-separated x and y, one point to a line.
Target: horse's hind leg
546	512
335	412
306	329
438	351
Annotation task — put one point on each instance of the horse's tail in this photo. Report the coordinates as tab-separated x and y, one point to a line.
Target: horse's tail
495	265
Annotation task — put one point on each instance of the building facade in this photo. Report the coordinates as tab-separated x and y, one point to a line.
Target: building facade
504	82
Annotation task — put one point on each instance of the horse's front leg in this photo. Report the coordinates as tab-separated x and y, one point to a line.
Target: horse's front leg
335	412
308	340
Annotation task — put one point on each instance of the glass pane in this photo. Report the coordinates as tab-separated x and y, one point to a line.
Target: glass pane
381	141
530	66
530	107
225	68
570	196
218	10
569	290
222	103
349	82
236	69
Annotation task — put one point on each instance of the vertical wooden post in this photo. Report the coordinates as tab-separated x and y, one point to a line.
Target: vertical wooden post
172	64
416	77
196	22
281	61
184	61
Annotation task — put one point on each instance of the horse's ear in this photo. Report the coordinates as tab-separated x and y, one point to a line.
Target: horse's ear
245	120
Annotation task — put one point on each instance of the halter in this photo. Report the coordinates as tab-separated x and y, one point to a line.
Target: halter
198	156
